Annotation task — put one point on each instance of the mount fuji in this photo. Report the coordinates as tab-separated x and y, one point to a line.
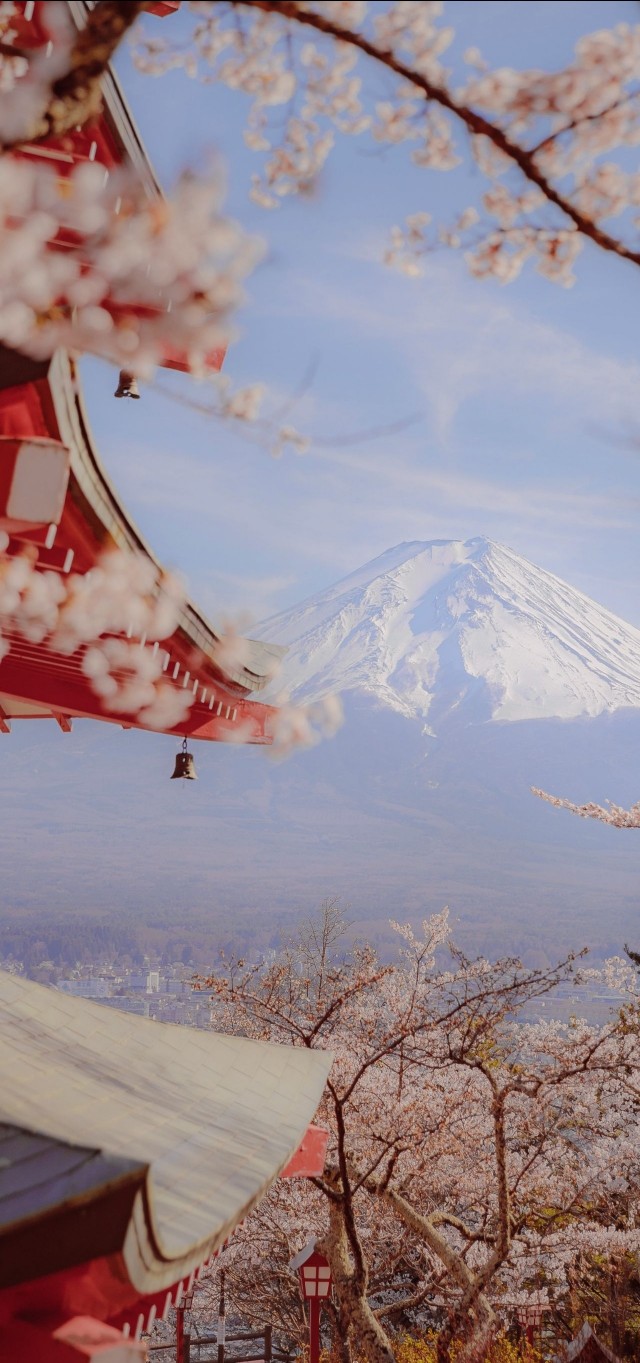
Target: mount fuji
428	629
468	675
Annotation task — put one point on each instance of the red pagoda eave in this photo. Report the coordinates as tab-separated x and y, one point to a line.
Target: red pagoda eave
101	1287
111	140
130	1151
42	401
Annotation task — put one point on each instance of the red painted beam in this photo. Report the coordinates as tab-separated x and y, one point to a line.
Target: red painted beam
57	685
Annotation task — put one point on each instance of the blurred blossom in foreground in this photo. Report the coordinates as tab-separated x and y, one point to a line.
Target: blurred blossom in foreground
124	594
135	277
302	726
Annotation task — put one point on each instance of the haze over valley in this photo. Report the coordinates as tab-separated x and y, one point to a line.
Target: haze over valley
468	675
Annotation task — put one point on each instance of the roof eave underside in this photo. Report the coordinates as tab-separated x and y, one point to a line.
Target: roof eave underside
214	1118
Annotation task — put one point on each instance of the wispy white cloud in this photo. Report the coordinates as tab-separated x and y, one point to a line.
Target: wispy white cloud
509	403
459	339
463	493
237	590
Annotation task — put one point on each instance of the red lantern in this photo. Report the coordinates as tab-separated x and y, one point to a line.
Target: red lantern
314	1273
530	1316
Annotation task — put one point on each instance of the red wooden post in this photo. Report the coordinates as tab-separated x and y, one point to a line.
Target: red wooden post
183	1337
314	1330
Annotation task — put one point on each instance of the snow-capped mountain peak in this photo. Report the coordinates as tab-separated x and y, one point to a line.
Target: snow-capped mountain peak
428	627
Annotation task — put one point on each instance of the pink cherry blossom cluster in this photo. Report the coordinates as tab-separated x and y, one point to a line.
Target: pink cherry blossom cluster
302	726
412	32
131	276
591	90
127	676
124	595
254	57
474	1157
539	138
611	814
25	83
29	601
11	67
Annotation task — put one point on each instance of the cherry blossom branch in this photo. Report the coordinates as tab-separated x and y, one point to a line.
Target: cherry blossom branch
408	1303
611	814
73	97
76	95
576	123
472	1237
476	123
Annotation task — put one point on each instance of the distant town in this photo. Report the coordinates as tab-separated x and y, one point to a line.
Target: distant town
169	992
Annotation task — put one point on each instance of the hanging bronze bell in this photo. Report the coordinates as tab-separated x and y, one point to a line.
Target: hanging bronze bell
185	768
127	386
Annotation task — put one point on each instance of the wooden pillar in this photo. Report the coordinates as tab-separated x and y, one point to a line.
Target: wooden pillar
314	1330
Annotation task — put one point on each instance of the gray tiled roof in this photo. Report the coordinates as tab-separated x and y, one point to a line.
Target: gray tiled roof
214	1118
38	1173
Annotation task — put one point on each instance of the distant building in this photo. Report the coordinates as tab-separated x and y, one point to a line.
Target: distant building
125	1005
179	987
93	987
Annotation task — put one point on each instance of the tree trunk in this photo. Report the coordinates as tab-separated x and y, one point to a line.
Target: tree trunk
474	1303
443	1344
364	1330
340	1346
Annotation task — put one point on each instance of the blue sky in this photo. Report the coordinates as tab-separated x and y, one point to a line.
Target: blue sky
524	399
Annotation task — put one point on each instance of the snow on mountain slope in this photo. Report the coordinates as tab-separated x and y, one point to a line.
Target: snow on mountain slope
426	627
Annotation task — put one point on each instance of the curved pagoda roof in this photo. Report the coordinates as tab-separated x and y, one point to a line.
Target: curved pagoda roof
132	1144
41	401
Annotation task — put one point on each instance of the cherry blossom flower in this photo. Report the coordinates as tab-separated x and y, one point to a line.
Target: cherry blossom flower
90	614
302	726
25	82
543	134
145	275
474	1157
611	814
